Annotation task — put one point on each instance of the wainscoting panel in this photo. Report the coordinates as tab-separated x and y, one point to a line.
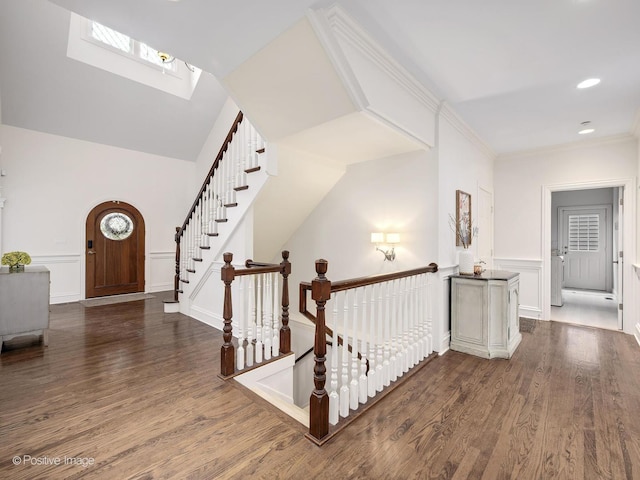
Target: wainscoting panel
636	289
161	271
442	321
66	276
531	284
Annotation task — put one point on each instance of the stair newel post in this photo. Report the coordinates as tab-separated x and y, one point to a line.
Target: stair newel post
176	280
285	331
227	355
319	401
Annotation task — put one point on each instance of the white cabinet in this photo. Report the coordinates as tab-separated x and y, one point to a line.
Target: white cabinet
24	303
484	314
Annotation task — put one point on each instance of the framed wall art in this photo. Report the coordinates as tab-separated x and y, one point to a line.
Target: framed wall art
463	219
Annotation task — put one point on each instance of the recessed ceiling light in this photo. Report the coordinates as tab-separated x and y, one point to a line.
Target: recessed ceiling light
585	127
589	82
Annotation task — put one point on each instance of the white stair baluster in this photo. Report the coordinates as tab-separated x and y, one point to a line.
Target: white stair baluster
242	318
259	308
386	363
380	338
393	357
429	278
416	322
353	385
275	342
334	398
373	361
407	349
267	316
362	381
251	309
344	387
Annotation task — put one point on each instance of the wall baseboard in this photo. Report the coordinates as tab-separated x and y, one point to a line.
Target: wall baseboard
206	317
637	333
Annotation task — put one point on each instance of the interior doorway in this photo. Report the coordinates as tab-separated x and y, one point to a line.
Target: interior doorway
586	250
114	250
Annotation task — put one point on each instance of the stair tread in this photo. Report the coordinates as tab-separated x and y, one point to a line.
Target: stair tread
251	170
230	205
243	187
190	271
221	220
184	281
204	247
197	259
212	234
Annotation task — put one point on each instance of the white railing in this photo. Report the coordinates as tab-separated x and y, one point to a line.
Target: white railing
378	329
238	156
261	325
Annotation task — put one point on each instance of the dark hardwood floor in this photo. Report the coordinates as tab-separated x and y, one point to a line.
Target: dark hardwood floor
137	391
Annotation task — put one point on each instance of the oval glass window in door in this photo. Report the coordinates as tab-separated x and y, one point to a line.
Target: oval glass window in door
116	226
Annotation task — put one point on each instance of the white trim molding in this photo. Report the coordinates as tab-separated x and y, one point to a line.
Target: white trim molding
66	275
531	283
160	271
451	116
636	292
628	244
442	318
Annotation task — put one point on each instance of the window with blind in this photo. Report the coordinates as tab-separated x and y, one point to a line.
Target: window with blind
584	233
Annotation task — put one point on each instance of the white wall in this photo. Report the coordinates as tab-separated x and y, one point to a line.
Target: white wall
464	163
394	194
53	182
522	223
397	194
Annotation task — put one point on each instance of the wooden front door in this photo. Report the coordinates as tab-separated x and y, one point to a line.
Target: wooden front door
114	250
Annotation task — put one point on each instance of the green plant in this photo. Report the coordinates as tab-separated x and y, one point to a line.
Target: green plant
16	258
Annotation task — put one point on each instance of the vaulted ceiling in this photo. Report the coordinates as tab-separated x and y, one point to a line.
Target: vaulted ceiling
509	69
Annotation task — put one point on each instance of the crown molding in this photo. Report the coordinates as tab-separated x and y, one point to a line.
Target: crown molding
450	115
322	28
347	29
565	147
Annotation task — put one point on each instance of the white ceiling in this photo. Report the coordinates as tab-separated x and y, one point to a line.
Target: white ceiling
508	68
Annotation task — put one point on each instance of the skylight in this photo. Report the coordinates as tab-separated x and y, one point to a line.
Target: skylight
105	48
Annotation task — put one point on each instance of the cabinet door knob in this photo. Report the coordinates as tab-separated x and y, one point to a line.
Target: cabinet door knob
91	252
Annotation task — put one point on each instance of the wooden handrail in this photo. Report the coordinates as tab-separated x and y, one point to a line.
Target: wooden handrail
321	290
228	274
223	148
359	282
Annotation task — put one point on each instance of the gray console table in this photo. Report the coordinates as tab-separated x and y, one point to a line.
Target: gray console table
24	303
484	314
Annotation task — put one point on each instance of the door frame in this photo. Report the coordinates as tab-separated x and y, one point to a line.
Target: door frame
628	246
83	256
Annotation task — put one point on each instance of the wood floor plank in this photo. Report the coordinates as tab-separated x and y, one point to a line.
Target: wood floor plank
137	391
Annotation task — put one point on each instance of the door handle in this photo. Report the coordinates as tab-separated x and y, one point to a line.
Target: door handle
91	252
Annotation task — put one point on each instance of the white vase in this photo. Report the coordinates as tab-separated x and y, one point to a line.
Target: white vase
465	262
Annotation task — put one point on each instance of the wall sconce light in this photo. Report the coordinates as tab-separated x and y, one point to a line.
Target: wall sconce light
387	240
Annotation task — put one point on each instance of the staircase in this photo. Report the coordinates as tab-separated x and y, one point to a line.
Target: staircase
220	215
